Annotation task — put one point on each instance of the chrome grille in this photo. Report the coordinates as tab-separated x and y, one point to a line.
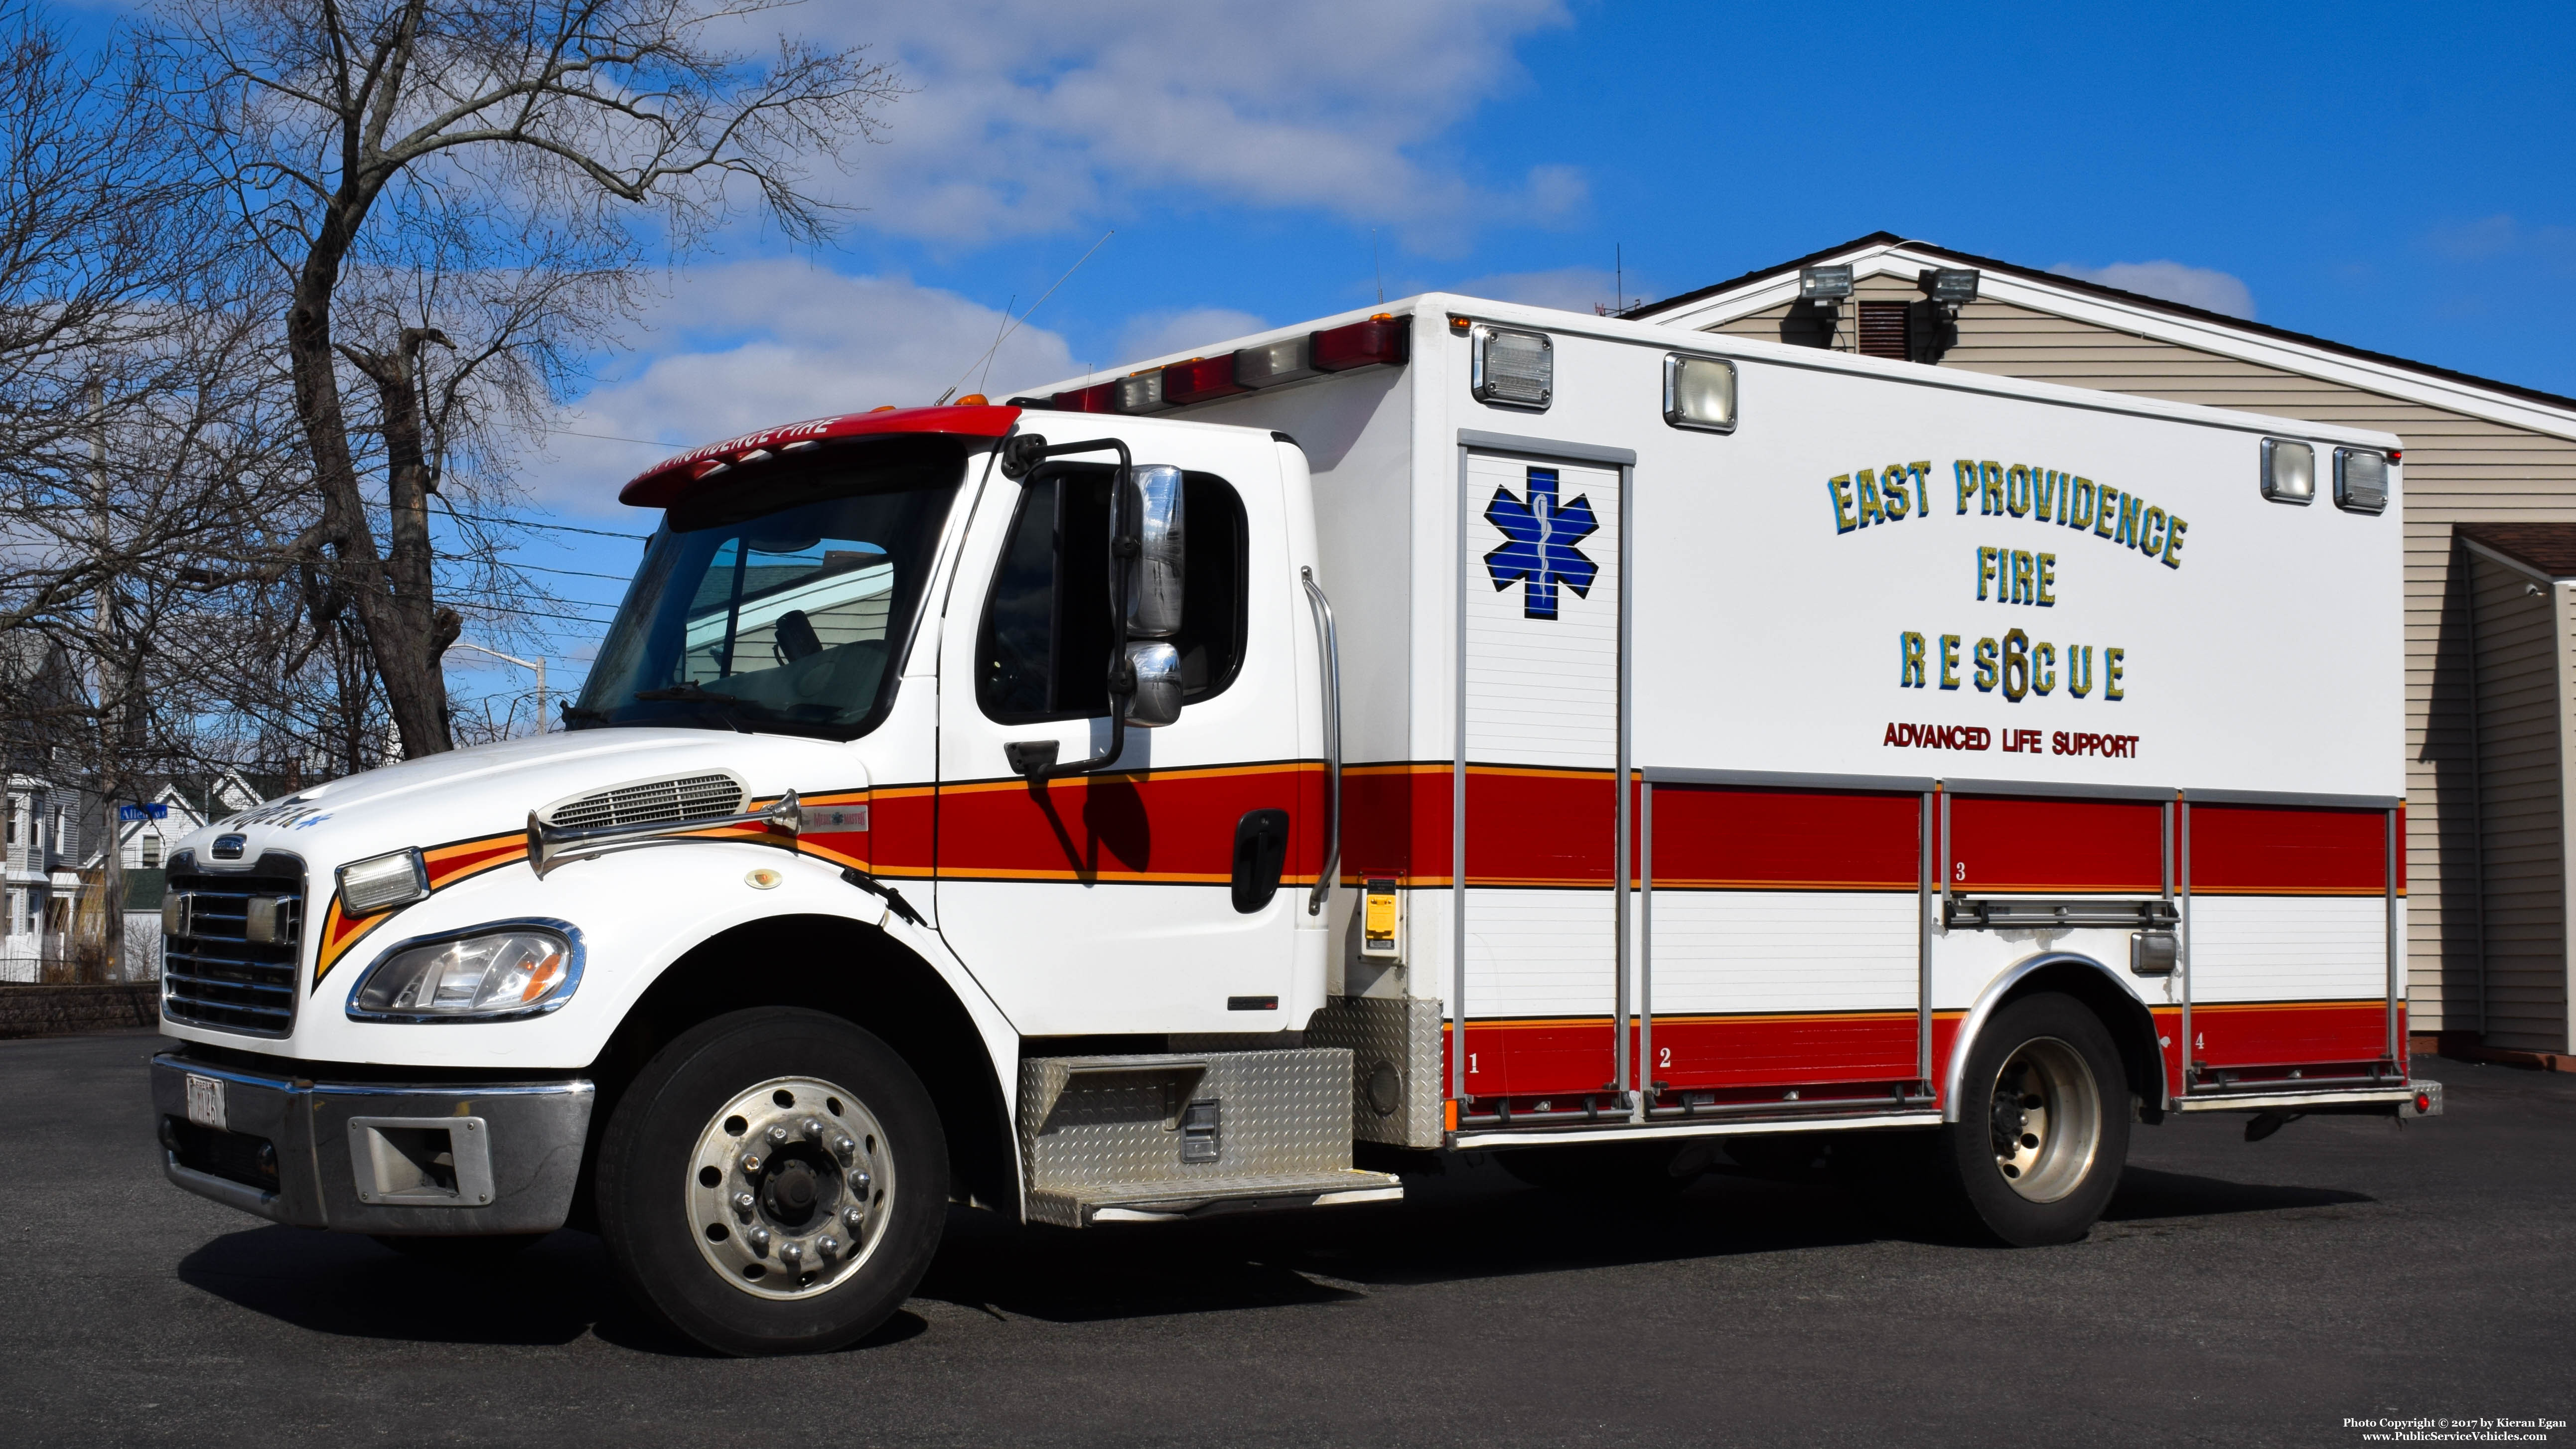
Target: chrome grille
653	802
215	975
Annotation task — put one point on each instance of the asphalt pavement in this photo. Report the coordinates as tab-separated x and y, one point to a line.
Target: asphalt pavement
2236	1294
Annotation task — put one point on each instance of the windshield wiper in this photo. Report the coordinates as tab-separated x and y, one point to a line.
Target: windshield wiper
691	690
575	714
696	692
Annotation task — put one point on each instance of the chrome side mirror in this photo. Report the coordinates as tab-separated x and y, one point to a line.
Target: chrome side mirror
1155	573
1157	700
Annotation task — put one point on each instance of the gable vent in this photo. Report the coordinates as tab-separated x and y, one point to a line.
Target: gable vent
652	802
1882	329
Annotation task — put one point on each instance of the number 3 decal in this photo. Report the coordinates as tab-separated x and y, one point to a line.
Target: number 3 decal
1959	871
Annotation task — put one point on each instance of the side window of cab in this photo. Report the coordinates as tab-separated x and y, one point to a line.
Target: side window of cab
1042	651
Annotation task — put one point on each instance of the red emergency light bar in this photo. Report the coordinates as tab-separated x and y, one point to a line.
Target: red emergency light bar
1381	341
665	482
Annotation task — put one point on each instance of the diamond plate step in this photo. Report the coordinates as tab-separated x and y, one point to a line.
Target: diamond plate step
1206	1196
1169	1135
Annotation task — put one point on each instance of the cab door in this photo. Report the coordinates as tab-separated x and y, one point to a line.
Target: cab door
1111	902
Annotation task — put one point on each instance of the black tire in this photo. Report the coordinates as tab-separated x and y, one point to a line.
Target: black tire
645	1177
478	1254
1609	1169
2060	1055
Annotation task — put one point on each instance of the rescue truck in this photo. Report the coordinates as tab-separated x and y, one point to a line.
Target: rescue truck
1239	781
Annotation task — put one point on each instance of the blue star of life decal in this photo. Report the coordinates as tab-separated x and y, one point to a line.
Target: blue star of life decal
1539	549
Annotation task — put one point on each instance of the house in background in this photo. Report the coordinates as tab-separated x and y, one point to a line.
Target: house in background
2490	574
143	847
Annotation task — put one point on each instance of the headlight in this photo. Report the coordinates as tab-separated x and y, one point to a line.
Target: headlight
518	968
383	882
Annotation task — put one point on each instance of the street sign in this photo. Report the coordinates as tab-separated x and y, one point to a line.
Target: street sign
154	811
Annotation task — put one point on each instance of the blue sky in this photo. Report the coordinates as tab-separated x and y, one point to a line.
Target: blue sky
2393	177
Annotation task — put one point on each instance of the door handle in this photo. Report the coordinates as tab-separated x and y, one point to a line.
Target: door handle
1030	757
1260	857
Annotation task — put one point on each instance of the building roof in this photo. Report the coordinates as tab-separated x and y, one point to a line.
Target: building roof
2209	329
2546	548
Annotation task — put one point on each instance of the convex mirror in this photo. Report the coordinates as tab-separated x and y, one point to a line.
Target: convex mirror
1156	571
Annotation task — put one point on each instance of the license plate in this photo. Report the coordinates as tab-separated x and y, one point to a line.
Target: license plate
206	1102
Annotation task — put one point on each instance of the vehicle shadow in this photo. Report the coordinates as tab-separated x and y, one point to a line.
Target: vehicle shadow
2147	1192
1471	1222
342	1284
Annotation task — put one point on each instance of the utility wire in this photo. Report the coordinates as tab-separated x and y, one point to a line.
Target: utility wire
532	523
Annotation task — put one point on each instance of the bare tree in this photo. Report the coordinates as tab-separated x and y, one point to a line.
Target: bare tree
521	159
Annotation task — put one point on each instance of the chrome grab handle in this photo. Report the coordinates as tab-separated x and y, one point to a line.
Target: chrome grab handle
552	845
1331	645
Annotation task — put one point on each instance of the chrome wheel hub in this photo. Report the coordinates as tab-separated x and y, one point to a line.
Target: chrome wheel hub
2045	1119
789	1187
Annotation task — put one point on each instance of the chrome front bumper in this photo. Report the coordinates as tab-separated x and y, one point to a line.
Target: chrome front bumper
444	1159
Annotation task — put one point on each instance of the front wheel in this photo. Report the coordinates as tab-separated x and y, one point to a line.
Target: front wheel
774	1181
2043	1125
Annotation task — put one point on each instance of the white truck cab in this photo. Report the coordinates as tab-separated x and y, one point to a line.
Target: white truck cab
1219	785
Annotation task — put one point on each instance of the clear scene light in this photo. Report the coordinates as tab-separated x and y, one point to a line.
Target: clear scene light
2289	472
1142	393
383	882
1514	368
518	971
1699	392
2361	480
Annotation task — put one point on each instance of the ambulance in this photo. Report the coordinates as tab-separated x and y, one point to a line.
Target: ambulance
1243	780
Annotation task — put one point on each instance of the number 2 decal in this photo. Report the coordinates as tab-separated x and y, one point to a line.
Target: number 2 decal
1663	1056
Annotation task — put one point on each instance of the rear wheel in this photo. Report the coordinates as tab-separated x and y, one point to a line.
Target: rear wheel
775	1181
2043	1129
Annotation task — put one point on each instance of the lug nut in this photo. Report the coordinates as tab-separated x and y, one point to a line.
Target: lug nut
742	1205
759	1240
777	1136
852	1217
813	1129
792	1255
844	1146
751	1164
828	1246
859	1186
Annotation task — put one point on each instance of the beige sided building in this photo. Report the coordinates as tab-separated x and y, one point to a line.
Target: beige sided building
2490	517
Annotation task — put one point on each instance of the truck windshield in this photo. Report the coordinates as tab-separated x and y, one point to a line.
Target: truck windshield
779	604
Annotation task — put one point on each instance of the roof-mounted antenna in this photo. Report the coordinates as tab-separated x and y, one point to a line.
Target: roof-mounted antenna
1014	325
1377	267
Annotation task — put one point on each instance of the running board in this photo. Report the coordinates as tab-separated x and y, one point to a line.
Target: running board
1167	1202
2409	1099
1704	1127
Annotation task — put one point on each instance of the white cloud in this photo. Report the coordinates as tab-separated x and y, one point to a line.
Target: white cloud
751	344
2499	237
1574	289
1157	334
2202	287
1030	115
